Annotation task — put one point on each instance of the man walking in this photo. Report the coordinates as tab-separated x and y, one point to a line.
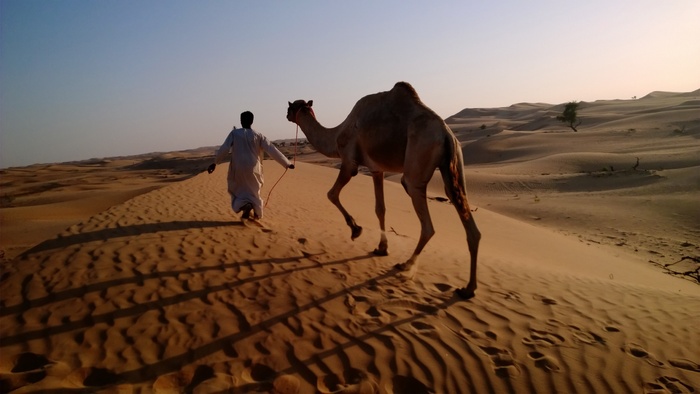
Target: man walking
244	148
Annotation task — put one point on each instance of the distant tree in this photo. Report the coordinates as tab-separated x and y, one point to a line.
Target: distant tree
570	115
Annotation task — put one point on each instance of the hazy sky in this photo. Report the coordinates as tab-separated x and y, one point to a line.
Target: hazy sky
82	79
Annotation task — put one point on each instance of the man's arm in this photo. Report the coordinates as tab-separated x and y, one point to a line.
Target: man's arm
223	153
276	154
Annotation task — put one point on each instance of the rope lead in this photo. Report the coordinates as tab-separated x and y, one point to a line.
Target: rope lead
294	161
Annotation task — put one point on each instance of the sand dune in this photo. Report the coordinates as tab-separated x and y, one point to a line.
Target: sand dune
629	178
657	110
160	288
39	201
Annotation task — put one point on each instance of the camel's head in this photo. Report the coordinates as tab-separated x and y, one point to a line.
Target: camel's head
296	107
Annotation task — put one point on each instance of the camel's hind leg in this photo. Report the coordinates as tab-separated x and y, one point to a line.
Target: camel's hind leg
380	210
346	173
473	238
425	155
452	172
420	204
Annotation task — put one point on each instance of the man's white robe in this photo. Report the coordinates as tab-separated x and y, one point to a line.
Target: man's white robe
244	148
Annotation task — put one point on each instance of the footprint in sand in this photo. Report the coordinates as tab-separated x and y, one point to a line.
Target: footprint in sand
351	381
423	328
352	301
542	361
543	338
372	311
638	351
173	382
545	300
91	377
684	364
29	362
28	368
359	305
611	329
310	248
258	373
262	378
443	287
395	302
203	378
481	339
581	335
503	362
286	384
587	337
13	381
667	384
410	306
555	323
510	296
339	274
501	359
330	384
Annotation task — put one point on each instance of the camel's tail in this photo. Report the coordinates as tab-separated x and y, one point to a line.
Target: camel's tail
452	170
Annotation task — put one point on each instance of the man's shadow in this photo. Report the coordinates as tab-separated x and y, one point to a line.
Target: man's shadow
62	241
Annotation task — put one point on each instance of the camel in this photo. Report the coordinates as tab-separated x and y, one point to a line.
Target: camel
394	131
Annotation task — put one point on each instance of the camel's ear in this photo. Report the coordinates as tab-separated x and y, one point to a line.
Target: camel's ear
310	103
290	103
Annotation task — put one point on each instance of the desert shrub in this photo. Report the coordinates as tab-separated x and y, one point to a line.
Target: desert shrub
570	115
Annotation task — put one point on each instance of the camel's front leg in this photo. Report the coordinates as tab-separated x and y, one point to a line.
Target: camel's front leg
344	177
380	210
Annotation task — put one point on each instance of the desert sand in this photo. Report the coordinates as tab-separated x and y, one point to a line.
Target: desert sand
132	274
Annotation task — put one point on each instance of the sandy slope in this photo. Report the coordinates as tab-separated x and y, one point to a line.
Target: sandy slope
155	286
168	291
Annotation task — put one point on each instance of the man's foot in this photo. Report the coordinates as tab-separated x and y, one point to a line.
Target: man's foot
246	210
256	221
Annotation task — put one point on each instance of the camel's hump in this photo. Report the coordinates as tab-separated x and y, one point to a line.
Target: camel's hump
406	87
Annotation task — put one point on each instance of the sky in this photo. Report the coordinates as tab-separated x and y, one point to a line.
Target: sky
86	79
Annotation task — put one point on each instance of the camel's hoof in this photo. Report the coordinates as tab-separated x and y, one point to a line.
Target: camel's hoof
402	267
356	232
465	293
380	252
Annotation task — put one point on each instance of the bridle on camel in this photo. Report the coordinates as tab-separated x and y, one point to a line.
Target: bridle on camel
294	161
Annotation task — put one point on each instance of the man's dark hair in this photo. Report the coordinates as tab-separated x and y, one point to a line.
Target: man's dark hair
247	119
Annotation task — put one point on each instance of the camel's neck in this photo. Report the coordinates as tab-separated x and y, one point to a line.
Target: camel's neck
323	139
